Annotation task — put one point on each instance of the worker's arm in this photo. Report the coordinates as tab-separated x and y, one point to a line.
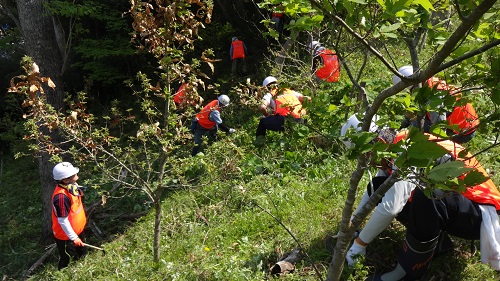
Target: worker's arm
301	97
391	205
263	108
266	102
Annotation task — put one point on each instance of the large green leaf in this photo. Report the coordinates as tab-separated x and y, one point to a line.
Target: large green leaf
426	150
474	178
448	171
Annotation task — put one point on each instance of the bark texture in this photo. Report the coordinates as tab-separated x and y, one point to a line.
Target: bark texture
41	45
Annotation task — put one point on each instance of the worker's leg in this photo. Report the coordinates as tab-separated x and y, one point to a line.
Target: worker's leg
66	250
234	67
244	65
198	134
272	122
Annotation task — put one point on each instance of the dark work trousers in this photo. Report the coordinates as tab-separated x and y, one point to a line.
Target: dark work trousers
199	132
273	123
68	251
452	213
234	66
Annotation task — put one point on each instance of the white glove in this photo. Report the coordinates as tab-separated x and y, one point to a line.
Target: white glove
232	130
354	252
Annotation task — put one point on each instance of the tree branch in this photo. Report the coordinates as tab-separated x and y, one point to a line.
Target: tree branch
353	33
469	55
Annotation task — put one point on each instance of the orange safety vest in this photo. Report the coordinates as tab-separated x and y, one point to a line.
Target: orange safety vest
180	94
76	217
331	68
287	103
464	116
484	193
203	116
238	49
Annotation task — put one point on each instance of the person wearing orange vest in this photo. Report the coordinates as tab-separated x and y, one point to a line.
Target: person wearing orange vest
276	105
68	214
393	204
208	121
237	52
470	214
463	116
325	65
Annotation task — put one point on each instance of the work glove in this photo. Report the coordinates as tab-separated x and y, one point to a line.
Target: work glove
232	130
78	242
354	252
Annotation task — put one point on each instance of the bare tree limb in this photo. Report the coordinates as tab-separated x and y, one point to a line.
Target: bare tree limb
469	55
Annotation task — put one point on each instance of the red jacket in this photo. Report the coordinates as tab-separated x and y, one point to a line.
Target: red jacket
464	116
238	49
331	68
203	116
76	216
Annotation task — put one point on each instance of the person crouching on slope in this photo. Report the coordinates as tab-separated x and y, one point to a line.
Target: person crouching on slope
208	121
276	105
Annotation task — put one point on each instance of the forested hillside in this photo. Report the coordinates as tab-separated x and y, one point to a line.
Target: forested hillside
93	83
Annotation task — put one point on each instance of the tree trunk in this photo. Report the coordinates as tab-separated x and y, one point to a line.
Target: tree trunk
157	234
40	44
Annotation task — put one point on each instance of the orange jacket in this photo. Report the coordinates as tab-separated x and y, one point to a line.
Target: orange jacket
464	116
287	103
484	193
331	68
238	49
76	217
203	116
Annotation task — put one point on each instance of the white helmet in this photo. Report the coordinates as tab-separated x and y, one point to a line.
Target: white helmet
313	45
64	170
269	80
234	39
224	100
406	70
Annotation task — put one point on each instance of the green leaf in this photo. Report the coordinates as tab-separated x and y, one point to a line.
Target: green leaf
474	178
448	171
390	35
436	130
426	150
389	28
426	4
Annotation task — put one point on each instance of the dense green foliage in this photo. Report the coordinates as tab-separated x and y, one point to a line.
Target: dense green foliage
227	214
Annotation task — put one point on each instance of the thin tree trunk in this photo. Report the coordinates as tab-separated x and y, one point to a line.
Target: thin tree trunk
157	234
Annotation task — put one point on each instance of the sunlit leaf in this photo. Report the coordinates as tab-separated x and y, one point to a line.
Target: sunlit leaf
426	4
447	171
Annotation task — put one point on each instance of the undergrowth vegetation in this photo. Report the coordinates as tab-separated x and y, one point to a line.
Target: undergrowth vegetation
234	224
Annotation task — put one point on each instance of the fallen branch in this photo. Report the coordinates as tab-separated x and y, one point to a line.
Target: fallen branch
50	249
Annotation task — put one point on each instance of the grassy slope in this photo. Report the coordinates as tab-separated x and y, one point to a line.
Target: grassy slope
219	231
